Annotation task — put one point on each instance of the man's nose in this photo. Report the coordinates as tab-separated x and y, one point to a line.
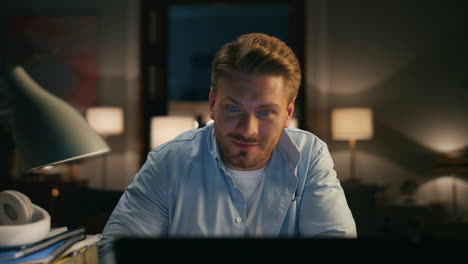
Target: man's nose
248	126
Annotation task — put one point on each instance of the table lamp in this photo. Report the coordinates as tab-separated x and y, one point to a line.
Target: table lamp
107	121
294	123
352	124
47	131
454	165
165	128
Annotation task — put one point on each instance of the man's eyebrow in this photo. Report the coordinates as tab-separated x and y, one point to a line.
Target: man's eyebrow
270	105
234	101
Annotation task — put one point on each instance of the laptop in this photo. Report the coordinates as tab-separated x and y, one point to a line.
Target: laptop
284	250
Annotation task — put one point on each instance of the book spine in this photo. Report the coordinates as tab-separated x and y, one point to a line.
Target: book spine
72	240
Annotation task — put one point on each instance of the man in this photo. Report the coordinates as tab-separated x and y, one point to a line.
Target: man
247	174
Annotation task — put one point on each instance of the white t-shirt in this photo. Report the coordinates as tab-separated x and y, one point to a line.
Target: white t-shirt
251	185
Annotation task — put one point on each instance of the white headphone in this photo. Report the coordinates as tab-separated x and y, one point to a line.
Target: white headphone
21	221
16	208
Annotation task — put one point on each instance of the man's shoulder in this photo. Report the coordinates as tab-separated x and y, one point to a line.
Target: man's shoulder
187	142
304	136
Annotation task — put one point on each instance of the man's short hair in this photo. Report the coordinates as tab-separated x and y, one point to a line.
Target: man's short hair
257	54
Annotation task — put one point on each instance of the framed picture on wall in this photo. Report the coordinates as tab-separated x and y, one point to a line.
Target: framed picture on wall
60	52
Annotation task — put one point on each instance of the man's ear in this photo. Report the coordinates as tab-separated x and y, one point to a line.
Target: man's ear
212	100
290	111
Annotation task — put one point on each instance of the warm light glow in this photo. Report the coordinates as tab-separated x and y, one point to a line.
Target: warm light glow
107	121
165	128
352	123
293	123
441	190
207	119
444	138
55	192
442	128
184	108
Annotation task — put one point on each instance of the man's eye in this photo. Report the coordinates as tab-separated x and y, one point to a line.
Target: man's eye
264	112
232	108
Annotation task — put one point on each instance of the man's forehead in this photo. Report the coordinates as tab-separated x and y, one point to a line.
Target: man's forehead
243	82
265	93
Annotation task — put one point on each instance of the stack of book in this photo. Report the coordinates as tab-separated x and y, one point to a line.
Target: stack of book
62	245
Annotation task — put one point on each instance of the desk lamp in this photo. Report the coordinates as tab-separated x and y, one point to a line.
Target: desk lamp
352	124
107	121
47	131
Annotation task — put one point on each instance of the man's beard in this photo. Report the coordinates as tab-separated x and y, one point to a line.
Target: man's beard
243	159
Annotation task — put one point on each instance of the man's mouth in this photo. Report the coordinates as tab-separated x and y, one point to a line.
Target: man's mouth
244	145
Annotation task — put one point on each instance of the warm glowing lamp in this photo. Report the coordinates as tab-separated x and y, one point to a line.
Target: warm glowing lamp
107	121
47	130
454	165
294	123
352	124
165	128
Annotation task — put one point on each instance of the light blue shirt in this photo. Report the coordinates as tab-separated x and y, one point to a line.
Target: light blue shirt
185	190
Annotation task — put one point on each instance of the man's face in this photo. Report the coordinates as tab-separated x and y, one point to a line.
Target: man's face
250	113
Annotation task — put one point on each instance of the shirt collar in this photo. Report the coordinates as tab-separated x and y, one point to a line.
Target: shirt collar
290	148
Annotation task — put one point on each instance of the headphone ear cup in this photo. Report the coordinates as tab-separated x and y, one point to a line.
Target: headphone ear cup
15	208
28	207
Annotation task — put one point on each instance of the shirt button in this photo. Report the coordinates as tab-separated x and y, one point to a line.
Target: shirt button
238	219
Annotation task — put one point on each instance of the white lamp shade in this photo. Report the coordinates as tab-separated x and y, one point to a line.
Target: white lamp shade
352	123
165	128
107	121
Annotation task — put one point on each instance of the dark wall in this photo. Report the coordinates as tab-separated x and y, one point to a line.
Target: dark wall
408	61
197	32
